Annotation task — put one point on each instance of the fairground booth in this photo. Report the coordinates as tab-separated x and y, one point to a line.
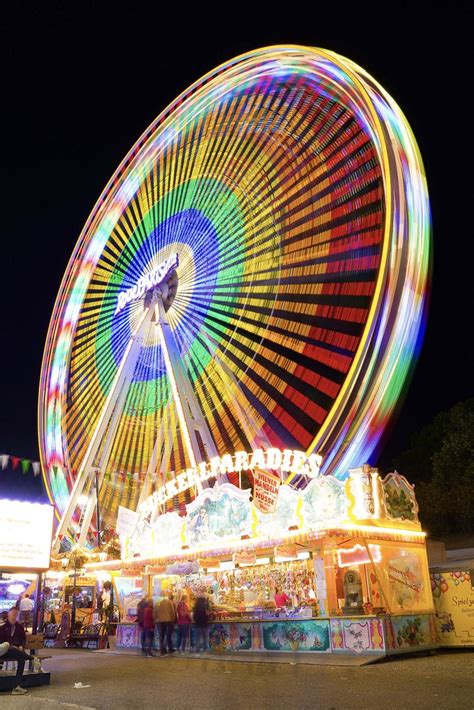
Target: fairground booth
337	566
230	339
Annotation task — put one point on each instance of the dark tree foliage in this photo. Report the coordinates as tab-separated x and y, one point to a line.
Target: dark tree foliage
441	459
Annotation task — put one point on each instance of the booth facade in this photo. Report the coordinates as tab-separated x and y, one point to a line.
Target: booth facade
349	556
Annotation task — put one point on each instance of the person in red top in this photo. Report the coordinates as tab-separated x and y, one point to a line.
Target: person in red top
280	598
12	648
183	612
148	628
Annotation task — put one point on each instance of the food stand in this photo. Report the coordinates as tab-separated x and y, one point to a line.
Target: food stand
350	557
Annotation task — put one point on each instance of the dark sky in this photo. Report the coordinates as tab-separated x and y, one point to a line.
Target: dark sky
82	81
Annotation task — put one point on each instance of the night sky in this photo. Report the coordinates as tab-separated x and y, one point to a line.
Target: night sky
82	82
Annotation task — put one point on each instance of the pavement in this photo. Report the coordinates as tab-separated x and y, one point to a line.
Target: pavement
119	682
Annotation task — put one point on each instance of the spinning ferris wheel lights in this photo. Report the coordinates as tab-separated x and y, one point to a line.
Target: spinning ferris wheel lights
291	188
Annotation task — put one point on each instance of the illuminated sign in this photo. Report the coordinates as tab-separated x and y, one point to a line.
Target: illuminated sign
25	535
276	460
244	557
358	555
147	282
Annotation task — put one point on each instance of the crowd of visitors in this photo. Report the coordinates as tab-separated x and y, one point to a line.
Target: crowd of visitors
161	619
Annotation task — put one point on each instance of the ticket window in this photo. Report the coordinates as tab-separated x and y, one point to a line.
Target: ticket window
347	576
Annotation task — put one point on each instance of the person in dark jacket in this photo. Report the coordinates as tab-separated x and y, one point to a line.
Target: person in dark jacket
201	620
142	604
12	633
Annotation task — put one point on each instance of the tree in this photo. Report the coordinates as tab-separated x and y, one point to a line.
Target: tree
442	456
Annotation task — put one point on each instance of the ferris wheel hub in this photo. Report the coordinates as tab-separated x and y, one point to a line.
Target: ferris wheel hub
166	290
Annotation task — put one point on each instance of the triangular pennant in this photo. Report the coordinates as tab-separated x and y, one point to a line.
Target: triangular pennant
36	468
15	461
4	459
55	470
25	465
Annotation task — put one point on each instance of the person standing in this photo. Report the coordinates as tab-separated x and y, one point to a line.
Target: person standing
142	604
201	621
281	599
148	629
26	610
183	614
166	615
12	648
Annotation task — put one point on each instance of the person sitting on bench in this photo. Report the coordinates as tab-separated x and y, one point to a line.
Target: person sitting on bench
12	648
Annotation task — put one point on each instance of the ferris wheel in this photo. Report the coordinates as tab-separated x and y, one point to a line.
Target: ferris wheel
254	274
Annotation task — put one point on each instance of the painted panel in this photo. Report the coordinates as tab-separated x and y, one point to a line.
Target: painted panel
357	636
296	636
128	636
230	637
219	513
410	633
453	595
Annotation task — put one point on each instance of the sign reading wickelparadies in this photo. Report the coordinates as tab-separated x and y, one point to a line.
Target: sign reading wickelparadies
25	535
278	462
265	491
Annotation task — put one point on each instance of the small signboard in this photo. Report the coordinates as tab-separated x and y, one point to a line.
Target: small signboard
265	491
244	557
126	521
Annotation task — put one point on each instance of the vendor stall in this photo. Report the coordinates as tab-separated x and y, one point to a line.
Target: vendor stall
453	594
337	567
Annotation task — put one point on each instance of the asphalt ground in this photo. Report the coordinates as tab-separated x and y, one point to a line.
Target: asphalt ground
444	680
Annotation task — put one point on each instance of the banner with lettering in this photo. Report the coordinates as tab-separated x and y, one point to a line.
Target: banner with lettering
265	491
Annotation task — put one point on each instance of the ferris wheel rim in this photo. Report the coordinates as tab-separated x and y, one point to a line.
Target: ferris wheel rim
201	85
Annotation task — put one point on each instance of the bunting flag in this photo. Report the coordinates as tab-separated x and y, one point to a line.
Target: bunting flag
20	463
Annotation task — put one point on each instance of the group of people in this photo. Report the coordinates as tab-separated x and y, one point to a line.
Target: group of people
12	648
164	615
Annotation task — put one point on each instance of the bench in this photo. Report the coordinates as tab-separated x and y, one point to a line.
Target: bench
92	636
33	643
7	674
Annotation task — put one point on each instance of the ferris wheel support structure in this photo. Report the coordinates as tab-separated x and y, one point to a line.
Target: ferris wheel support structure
106	419
190	416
